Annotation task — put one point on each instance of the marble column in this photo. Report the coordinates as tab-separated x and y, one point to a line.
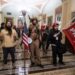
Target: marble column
0	17
66	15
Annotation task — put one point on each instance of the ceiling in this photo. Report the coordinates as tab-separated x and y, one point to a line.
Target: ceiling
33	7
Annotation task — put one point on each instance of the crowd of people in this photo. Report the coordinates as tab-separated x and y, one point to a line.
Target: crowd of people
10	36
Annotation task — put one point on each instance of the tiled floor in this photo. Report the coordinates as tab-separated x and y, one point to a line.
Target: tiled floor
68	71
22	66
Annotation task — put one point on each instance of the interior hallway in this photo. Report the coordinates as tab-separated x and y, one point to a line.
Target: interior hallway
67	13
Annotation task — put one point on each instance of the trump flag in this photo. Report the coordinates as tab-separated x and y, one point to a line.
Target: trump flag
70	34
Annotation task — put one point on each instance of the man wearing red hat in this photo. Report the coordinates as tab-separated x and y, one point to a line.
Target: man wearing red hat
55	37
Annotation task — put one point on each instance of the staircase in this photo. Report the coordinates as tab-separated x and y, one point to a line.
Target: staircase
49	69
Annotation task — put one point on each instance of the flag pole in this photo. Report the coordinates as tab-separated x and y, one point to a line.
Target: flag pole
25	63
24	60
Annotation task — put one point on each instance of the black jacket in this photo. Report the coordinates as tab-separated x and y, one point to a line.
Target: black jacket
57	39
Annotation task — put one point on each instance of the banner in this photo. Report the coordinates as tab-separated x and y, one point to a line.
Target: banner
70	34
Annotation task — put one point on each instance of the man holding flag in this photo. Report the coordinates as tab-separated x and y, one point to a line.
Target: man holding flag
32	41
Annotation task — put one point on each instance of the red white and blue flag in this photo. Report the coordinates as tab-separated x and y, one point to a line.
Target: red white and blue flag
25	37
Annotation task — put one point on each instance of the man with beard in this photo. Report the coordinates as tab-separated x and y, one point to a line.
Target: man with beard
34	46
9	37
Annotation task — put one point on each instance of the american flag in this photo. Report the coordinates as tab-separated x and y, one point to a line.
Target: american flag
25	37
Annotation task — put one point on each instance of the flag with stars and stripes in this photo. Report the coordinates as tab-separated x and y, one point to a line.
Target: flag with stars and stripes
25	37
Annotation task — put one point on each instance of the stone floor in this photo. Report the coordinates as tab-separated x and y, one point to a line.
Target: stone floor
22	66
